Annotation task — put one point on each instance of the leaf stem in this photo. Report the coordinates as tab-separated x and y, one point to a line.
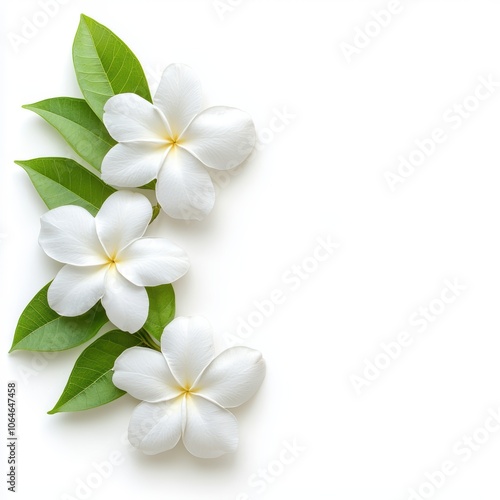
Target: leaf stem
148	340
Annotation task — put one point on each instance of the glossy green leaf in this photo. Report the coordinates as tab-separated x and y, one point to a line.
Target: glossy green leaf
105	66
78	124
61	181
42	329
90	382
161	309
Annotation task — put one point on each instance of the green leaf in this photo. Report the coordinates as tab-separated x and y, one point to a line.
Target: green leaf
161	309
156	212
77	123
42	329
151	185
105	66
90	382
61	181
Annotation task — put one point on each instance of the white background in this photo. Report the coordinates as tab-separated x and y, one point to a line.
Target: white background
320	175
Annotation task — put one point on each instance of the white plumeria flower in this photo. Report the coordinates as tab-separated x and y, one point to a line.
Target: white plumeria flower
186	391
173	141
107	259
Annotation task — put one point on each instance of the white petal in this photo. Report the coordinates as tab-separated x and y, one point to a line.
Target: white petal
184	189
187	344
68	234
210	430
233	377
133	164
156	427
123	218
126	304
129	117
144	374
220	137
153	262
179	97
76	289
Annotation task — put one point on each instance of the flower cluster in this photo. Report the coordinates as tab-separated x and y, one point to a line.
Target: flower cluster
112	271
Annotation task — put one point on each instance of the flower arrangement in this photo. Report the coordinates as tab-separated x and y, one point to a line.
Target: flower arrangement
112	271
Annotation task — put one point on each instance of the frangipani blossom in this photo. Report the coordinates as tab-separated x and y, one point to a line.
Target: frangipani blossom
186	390
107	259
173	141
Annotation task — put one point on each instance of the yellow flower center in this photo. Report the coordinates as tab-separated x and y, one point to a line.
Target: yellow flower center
173	141
112	259
187	390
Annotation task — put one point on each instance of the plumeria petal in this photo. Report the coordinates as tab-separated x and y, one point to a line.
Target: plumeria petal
188	347
68	234
144	374
179	97
129	117
123	218
126	304
220	137
152	262
210	430
184	189
156	427
233	377
76	289
133	164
